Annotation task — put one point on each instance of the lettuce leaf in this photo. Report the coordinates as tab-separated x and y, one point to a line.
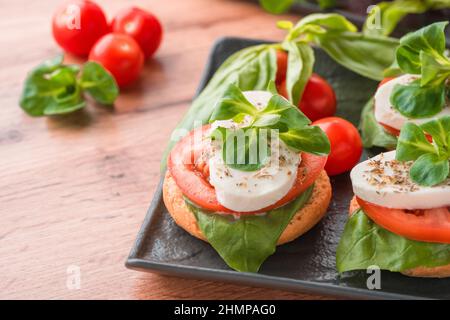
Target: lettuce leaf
245	243
372	133
363	243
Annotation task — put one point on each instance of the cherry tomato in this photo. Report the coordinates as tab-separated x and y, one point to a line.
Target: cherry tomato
119	54
143	26
189	174
346	144
318	100
77	25
282	62
431	225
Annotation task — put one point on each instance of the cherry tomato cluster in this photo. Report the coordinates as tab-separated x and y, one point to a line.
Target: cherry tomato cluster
80	27
318	103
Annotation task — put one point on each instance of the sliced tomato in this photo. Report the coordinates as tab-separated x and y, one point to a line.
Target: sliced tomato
391	130
396	132
190	174
428	225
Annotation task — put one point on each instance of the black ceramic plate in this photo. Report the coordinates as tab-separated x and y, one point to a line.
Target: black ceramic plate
306	264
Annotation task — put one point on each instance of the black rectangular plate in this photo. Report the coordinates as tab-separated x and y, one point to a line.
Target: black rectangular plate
306	264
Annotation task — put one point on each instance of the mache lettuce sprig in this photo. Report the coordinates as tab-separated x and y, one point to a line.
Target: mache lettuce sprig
430	158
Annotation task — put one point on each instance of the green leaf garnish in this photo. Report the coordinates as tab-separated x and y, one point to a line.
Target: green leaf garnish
422	52
53	88
431	159
244	244
416	101
363	244
292	128
99	83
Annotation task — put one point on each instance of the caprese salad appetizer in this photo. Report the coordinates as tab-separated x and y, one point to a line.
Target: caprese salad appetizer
251	179
399	217
418	91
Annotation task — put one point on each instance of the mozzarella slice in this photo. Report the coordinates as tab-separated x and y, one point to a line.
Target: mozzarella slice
246	191
386	114
384	181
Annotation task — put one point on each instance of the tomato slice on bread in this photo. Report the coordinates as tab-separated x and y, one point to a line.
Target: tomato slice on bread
430	225
190	175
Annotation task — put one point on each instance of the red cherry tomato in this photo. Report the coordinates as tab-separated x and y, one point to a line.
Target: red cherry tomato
282	62
77	25
346	144
318	100
119	54
143	26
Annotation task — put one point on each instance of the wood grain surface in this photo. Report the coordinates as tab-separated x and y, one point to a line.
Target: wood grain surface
75	189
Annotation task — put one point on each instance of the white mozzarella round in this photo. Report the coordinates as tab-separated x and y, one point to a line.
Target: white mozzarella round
246	191
384	181
385	112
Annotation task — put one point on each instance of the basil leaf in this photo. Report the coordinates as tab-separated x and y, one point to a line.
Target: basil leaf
52	89
363	244
416	101
272	87
244	244
257	64
276	6
373	133
384	16
299	70
364	54
412	143
327	4
99	83
310	139
429	169
326	21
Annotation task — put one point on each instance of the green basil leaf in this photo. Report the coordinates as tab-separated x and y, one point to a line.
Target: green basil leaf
327	21
244	244
412	143
363	244
231	104
327	4
52	89
276	6
384	16
272	87
429	169
372	133
300	65
416	101
439	129
310	139
99	83
364	54
257	64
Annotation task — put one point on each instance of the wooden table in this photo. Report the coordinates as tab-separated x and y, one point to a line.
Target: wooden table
74	190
